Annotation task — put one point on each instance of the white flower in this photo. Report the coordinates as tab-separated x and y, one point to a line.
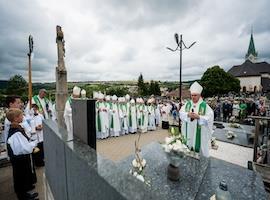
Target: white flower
168	140
143	162
178	142
140	177
135	173
175	147
170	147
134	163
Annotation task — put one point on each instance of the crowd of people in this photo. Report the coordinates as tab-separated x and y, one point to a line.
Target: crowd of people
116	116
238	109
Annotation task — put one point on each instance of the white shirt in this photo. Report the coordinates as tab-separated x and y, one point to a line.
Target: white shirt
37	134
20	145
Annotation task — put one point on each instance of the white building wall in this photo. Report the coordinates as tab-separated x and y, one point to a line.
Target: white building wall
250	82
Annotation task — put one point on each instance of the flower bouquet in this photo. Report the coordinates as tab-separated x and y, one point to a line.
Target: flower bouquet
176	149
231	135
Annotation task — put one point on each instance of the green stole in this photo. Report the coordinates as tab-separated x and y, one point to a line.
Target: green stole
112	107
37	101
129	115
70	101
98	118
202	110
141	119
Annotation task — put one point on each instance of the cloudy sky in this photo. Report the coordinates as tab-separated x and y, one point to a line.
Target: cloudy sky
118	40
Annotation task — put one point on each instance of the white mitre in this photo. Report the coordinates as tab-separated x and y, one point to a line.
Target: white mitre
114	98
196	88
108	98
83	93
121	99
127	97
101	96
95	95
76	91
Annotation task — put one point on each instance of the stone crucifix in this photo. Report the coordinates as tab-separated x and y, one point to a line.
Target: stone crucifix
60	48
61	78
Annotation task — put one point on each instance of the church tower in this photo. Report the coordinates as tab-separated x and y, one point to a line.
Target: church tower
251	53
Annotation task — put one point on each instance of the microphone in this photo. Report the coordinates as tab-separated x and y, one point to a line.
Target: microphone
192	110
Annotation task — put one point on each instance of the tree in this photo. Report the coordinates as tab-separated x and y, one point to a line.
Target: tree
216	81
118	91
157	89
142	87
154	88
17	85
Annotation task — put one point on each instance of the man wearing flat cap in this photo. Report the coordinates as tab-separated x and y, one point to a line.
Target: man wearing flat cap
197	121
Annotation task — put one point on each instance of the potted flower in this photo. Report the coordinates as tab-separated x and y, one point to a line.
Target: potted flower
176	150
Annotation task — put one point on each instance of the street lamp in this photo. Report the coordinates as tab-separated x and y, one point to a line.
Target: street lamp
180	47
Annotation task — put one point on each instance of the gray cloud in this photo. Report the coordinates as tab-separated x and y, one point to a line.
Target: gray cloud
112	40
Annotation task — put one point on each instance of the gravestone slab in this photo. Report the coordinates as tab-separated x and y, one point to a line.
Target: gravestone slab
90	176
242	134
191	173
242	183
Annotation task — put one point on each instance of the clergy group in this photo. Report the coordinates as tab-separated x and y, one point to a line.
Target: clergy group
117	116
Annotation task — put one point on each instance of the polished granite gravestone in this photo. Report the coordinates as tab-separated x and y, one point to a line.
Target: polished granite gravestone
243	133
74	170
197	180
191	173
242	183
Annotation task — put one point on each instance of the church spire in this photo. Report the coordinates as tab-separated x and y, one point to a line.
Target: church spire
251	53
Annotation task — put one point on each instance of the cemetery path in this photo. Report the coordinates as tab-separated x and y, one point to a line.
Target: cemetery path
117	148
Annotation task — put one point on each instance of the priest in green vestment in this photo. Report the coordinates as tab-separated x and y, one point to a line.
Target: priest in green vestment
197	121
68	108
